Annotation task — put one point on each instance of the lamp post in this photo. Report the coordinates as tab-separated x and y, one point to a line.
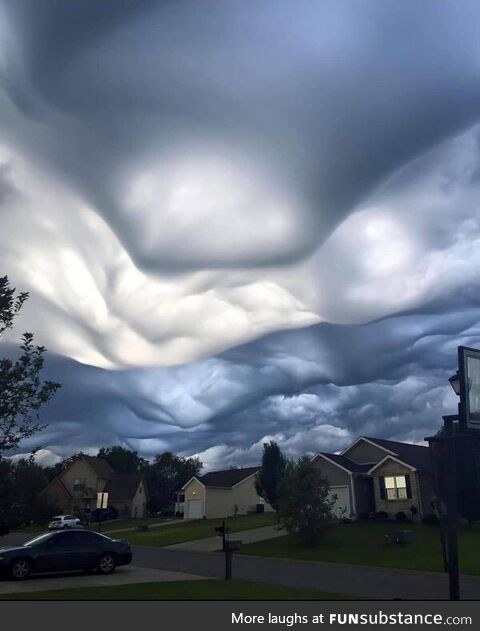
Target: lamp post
453	426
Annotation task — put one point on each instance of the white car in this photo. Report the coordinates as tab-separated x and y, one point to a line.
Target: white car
63	521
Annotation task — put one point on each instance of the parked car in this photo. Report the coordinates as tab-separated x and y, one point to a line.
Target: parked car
103	514
61	551
61	522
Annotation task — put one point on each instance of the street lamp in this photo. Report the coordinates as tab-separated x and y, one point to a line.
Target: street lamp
454	381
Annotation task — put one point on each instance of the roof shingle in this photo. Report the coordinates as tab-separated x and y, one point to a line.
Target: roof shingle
228	477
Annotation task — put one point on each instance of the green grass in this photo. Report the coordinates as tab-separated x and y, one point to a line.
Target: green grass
198	529
364	544
185	590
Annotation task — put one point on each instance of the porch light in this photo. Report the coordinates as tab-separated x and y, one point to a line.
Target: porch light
455	383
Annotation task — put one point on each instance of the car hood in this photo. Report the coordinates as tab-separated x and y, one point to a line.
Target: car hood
12	549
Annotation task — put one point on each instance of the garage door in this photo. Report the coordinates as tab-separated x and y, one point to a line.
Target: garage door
194	509
342	503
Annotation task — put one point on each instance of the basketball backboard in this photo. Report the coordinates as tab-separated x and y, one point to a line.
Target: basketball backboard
469	374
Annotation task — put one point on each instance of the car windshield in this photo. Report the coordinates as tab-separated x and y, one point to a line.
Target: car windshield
38	539
56	519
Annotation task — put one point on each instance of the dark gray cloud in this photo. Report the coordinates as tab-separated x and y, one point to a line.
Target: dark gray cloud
191	183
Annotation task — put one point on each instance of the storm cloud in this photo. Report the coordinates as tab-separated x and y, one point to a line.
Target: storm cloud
241	220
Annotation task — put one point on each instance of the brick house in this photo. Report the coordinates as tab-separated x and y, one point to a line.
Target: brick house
374	474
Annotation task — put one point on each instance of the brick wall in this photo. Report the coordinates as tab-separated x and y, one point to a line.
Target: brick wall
392	507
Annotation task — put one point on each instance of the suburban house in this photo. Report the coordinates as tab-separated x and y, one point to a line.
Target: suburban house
374	475
75	489
222	494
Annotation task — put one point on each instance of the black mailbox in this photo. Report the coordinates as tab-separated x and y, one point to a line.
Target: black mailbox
222	530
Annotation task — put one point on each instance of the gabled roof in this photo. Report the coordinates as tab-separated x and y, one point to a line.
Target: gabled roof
228	477
346	463
392	459
417	456
101	467
123	487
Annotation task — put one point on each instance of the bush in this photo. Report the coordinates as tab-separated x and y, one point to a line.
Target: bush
430	520
381	515
363	516
400	516
304	502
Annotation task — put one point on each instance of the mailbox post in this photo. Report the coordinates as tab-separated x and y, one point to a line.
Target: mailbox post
228	547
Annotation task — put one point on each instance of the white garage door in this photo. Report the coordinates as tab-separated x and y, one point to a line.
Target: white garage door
194	509
342	503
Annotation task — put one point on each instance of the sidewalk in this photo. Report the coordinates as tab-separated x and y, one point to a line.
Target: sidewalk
161	523
212	544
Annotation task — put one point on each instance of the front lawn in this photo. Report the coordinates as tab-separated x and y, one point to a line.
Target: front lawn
198	529
364	544
106	526
185	590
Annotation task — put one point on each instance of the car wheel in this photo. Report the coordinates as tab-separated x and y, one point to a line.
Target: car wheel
20	569
106	563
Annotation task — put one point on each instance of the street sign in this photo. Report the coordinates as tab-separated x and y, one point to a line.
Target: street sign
469	374
102	500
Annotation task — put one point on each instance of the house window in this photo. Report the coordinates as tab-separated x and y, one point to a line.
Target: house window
396	487
79	484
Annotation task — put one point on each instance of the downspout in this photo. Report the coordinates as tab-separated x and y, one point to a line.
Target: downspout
352	487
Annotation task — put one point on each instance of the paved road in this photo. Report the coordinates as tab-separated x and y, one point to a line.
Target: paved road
212	544
341	579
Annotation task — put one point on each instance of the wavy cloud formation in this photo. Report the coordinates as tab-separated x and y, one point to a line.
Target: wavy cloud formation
239	221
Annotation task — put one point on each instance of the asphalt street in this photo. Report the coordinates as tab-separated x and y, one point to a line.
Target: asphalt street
356	581
352	580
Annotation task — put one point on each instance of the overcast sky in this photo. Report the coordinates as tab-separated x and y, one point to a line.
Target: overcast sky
242	220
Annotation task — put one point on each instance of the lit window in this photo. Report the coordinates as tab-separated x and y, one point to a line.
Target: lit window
396	487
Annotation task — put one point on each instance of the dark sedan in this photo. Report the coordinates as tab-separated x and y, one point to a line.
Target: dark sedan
62	551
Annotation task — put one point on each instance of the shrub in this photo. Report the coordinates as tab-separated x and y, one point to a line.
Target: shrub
304	502
400	516
363	516
381	515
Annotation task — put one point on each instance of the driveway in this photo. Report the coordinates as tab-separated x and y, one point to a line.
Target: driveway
213	544
352	580
121	576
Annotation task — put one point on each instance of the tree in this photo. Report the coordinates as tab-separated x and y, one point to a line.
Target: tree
7	496
304	504
270	473
123	460
165	476
22	392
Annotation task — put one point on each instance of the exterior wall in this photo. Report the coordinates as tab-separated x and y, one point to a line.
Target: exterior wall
80	469
426	492
364	497
335	476
219	503
136	507
55	495
365	453
392	507
238	500
139	502
194	491
332	472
